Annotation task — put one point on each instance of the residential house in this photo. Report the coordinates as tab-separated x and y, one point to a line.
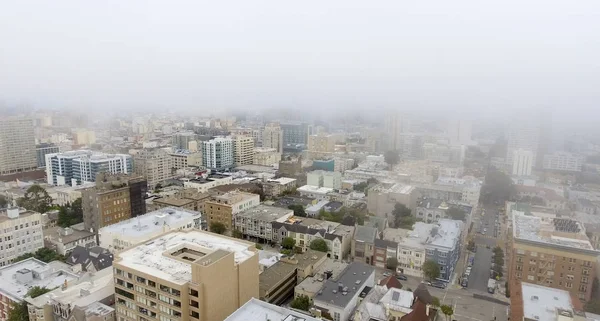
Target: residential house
363	244
90	259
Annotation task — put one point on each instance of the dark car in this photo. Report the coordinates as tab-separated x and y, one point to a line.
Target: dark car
401	277
439	285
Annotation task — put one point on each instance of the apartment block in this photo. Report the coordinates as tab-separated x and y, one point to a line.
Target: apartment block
272	137
536	302
191	275
20	233
266	156
243	150
42	150
188	198
182	140
553	252
224	208
203	184
411	248
185	158
322	178
275	187
217	153
154	164
563	161
363	244
81	166
17	145
65	240
382	198
256	307
255	222
321	145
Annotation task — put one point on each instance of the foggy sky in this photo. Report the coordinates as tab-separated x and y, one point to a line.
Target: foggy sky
206	55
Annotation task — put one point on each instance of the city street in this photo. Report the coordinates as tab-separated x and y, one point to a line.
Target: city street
480	272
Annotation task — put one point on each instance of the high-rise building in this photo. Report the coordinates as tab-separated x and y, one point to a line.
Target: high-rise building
553	252
17	145
21	233
154	164
217	153
522	162
523	134
182	140
243	150
223	208
80	166
272	137
396	124
113	199
295	135
42	150
459	132
321	145
186	275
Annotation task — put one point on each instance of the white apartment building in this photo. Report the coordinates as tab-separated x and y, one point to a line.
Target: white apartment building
20	233
243	150
217	153
266	156
320	178
17	145
255	222
564	161
81	166
523	134
411	248
68	194
522	162
139	229
272	137
65	240
342	164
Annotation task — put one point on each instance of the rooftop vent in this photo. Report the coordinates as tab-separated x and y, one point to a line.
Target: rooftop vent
534	298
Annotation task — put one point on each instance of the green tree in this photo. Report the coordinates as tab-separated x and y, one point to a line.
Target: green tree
70	214
259	246
36	291
36	199
302	302
447	311
218	227
43	254
592	306
361	187
392	263
498	187
3	201
391	157
402	217
237	234
435	301
319	245
288	243
506	289
456	213
431	269
298	210
18	312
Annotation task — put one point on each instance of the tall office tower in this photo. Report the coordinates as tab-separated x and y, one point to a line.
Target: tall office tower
154	164
80	166
522	162
459	132
523	133
182	140
217	153
21	233
396	125
17	145
185	275
42	150
243	150
272	137
295	135
114	198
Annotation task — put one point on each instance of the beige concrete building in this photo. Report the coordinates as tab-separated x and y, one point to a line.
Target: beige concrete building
192	275
154	164
272	137
243	150
552	252
266	156
184	159
383	197
275	187
188	198
84	137
21	233
105	204
321	145
223	208
17	145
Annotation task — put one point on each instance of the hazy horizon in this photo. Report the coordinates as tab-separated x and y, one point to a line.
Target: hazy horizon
464	57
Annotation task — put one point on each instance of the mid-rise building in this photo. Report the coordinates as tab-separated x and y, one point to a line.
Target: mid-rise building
21	233
523	162
396	124
266	156
136	230
563	161
295	135
255	307
523	133
84	137
530	301
42	150
188	275
553	252
243	150
154	164
326	179
343	164
81	166
224	208
182	140
203	184
17	145
466	190
185	158
363	244
18	278
321	145
444	244
382	198
65	240
255	223
411	247
447	154
272	137
276	187
217	153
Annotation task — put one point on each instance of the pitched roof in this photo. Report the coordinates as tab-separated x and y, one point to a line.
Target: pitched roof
365	234
391	282
419	312
385	243
97	256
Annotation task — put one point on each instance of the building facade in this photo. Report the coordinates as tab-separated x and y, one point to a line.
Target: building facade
321	145
266	156
272	137
42	150
243	150
21	232
182	140
17	145
185	158
522	162
217	153
224	208
155	165
444	246
81	166
563	161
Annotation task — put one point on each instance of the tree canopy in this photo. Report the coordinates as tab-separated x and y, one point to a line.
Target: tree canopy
498	187
301	303
218	227
392	263
36	291
319	245
43	254
288	243
36	199
402	217
456	213
70	214
447	311
392	157
342	213
431	269
19	312
3	201
298	210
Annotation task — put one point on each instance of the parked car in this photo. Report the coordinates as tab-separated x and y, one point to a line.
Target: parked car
401	277
465	282
426	282
386	274
438	284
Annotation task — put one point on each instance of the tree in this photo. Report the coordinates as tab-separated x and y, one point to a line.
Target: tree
431	269
392	157
498	187
298	210
435	301
319	245
506	289
237	234
218	227
70	214
402	217
447	311
36	291
456	213
3	201
259	246
18	312
592	306
391	263
288	243
361	187
43	254
302	302
36	199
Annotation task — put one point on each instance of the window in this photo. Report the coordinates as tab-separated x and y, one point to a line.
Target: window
519	251
530	277
569	285
570	277
583	288
532	261
572	260
534	254
584	280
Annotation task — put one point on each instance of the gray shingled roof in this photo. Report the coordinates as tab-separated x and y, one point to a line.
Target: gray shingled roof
365	234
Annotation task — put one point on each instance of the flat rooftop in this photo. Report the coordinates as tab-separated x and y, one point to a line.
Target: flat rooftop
151	222
32	272
259	310
397	188
265	213
351	281
283	180
22	214
448	233
565	233
173	201
541	303
274	274
313	284
150	257
314	189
